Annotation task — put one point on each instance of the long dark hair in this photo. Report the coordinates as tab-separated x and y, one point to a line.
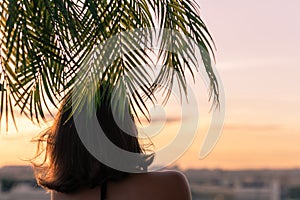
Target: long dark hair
68	165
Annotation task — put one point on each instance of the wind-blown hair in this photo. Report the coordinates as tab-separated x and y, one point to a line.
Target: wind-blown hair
68	165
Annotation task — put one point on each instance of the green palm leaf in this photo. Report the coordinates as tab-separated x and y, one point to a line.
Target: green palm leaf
50	48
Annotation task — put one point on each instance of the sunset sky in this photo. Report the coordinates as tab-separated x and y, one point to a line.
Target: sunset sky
258	60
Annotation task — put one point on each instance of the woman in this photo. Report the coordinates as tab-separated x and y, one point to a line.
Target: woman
70	172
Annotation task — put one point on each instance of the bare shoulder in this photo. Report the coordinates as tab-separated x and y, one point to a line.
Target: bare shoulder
147	186
175	178
166	185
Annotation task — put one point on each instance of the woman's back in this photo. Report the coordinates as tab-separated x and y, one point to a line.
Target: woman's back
70	170
147	186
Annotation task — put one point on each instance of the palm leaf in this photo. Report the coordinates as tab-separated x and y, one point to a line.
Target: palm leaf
52	49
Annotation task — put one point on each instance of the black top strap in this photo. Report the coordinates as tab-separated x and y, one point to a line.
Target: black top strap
103	190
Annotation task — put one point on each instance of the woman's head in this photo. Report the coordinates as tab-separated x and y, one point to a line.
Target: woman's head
68	165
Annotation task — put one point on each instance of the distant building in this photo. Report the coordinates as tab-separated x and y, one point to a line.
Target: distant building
257	191
25	191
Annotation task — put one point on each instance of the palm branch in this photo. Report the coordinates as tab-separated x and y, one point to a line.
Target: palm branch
47	46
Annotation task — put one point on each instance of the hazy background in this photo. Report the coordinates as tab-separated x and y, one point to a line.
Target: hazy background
258	48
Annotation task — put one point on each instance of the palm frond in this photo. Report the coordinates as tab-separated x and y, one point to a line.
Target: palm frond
50	49
179	19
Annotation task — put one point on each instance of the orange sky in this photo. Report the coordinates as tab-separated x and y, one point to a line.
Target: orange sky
258	61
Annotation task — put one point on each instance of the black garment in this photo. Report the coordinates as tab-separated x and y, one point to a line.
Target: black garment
103	190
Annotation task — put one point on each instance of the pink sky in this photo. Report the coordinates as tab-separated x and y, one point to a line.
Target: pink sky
258	60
